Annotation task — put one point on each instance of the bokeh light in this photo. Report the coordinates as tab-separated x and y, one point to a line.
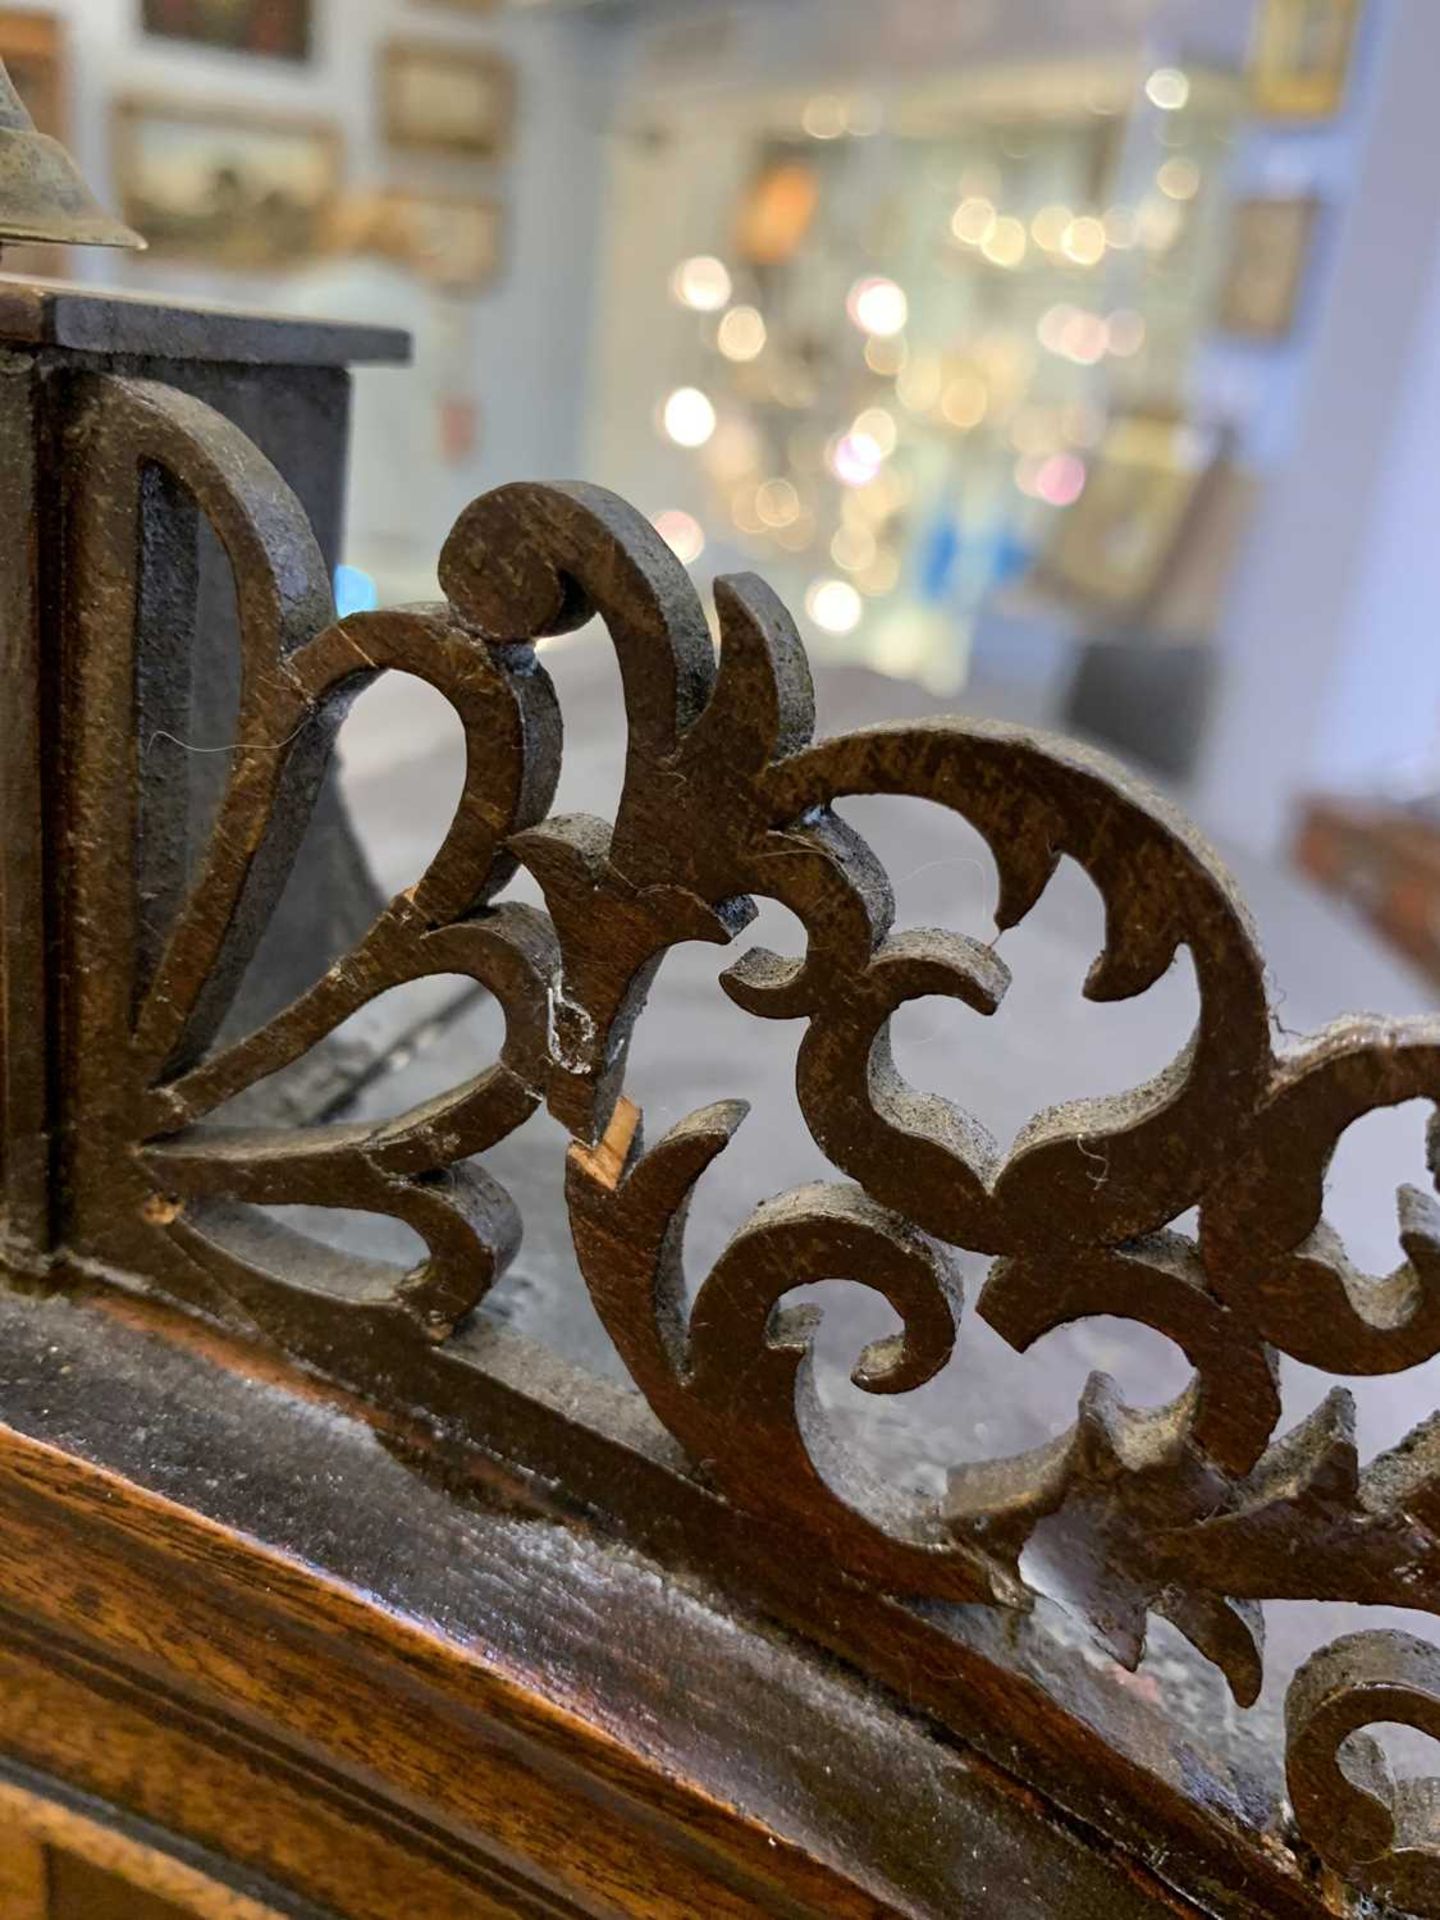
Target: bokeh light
878	424
1179	178
702	282
1049	227
1006	244
855	459
974	220
682	533
689	417
1168	88
877	305
825	117
1060	479
742	334
1084	241
834	605
1125	332
778	503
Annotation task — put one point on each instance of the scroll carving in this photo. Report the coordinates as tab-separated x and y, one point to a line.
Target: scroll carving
1197	1511
1381	1834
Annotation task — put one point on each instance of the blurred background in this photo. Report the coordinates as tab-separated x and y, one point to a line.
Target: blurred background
1070	361
1077	360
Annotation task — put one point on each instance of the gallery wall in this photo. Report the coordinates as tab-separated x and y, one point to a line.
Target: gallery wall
1332	618
1331	657
528	331
1332	612
716	92
1380	719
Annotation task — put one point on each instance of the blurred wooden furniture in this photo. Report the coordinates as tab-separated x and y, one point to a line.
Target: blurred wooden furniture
36	56
1384	861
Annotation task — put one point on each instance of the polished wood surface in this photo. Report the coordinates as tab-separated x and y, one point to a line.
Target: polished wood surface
386	1695
61	1862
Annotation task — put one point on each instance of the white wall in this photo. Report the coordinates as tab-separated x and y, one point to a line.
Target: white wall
737	43
1329	653
531	330
1381	715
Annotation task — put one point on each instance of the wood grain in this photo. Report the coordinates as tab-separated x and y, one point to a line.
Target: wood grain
56	1825
24	1873
520	1713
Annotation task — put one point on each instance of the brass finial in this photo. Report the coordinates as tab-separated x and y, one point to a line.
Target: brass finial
42	195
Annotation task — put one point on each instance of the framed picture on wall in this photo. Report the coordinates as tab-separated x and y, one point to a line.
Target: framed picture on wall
453	239
33	48
34	54
1270	243
1114	547
225	185
776	211
1300	59
447	99
278	27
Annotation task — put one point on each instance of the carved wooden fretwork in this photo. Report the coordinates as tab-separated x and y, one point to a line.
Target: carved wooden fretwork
1197	1511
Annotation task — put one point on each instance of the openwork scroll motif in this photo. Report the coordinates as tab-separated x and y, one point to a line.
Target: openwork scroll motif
1196	1511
